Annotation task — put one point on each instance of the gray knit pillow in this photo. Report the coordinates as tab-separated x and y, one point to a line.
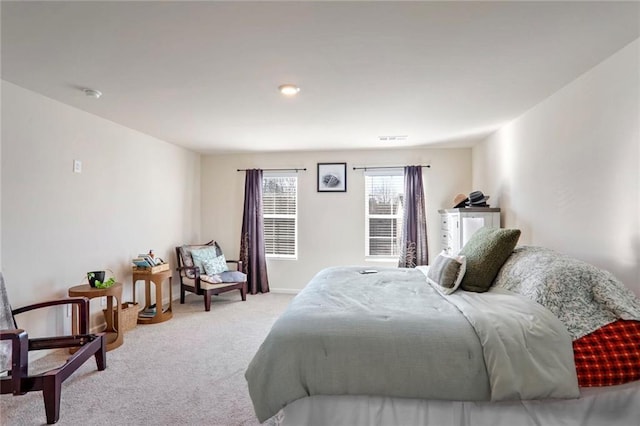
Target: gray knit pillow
486	252
445	272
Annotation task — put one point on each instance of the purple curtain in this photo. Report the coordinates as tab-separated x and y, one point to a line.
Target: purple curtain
413	248
252	251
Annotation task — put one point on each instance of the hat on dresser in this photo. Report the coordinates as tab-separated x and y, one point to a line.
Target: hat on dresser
477	199
459	201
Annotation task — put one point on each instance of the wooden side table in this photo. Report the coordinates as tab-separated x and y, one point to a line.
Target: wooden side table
114	336
157	278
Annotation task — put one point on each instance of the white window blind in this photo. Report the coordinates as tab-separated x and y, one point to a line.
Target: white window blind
280	214
384	196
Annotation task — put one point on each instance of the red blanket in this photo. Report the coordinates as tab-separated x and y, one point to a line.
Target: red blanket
610	355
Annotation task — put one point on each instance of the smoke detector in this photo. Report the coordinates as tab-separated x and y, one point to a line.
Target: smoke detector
92	93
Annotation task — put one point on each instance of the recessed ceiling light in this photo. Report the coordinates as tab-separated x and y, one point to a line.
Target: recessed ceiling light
289	89
92	93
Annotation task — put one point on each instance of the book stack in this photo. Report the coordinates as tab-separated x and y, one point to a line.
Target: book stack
146	261
149	312
149	264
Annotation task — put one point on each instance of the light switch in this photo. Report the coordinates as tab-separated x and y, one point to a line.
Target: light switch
77	166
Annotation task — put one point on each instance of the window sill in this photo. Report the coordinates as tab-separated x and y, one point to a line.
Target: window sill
381	259
275	257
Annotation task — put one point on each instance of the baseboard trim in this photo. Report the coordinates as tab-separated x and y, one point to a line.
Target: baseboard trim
284	290
272	290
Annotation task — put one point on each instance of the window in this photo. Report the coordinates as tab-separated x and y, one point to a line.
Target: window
280	214
384	196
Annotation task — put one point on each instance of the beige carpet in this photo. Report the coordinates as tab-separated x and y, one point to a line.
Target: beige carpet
186	371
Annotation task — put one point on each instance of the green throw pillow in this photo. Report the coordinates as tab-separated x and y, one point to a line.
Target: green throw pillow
486	252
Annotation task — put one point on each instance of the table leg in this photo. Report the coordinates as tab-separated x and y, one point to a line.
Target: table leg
109	317
74	320
159	301
147	294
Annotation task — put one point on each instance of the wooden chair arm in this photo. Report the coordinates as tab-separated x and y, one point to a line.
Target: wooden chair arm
238	262
19	356
83	309
15	334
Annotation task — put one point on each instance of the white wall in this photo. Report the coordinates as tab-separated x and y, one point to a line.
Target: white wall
135	193
566	172
1	178
331	225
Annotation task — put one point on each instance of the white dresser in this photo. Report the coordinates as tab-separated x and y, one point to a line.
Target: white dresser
458	225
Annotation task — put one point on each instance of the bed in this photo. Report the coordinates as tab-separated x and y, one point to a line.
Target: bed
389	348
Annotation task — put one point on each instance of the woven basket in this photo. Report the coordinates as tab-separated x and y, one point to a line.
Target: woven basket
128	316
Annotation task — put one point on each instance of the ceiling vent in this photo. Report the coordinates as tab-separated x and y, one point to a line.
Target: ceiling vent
397	138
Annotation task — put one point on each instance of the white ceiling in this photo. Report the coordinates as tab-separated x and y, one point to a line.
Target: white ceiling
204	75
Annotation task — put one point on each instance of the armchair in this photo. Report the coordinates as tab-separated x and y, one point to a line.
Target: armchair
203	270
15	346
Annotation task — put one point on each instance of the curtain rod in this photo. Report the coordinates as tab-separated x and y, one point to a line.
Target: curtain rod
276	170
387	167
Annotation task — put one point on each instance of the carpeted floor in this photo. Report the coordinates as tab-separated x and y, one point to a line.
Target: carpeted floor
186	371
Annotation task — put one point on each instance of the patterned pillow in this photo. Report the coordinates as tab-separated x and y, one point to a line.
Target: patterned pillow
187	260
446	272
486	252
201	255
215	266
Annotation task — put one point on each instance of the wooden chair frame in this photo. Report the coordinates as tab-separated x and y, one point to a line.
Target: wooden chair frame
19	382
207	293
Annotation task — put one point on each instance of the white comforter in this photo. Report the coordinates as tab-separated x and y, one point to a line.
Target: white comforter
526	348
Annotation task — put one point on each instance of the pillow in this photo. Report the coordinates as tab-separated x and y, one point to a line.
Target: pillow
486	251
203	254
215	266
446	272
233	277
187	260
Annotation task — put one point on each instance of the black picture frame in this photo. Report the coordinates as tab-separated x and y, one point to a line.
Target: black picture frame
332	177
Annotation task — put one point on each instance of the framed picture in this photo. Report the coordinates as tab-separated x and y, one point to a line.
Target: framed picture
332	177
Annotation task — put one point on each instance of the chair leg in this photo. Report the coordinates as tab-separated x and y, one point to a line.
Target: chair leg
207	301
52	388
101	355
181	295
243	291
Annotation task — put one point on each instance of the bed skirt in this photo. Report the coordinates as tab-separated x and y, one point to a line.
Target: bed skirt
611	406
